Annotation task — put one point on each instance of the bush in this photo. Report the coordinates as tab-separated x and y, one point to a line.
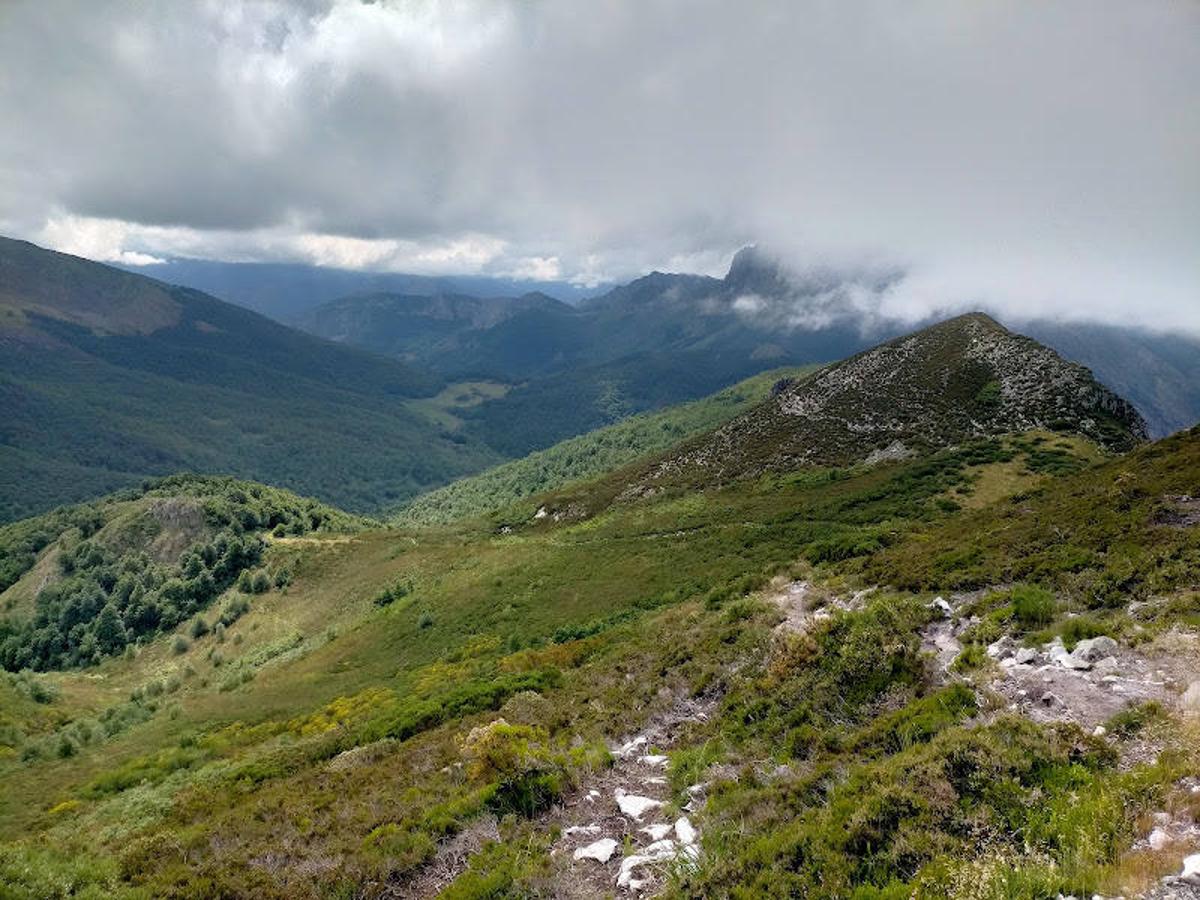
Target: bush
199	629
261	582
425	620
180	645
1033	606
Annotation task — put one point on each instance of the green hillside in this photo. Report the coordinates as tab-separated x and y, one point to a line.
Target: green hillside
107	377
589	454
757	665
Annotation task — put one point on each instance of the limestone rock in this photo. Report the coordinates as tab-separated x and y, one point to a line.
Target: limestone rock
601	851
1094	649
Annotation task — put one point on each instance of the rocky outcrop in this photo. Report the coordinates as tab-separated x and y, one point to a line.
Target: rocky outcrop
964	378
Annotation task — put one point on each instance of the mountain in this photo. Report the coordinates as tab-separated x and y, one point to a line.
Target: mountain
108	377
454	334
761	314
952	383
287	292
893	679
1158	373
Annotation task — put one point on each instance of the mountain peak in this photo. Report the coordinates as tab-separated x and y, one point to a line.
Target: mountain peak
963	378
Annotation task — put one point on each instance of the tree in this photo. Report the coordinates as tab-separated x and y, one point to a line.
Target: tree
111	636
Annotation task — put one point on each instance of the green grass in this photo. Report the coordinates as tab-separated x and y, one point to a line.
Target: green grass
345	720
587	455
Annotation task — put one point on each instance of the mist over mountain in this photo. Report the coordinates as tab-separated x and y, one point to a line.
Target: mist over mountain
288	292
708	331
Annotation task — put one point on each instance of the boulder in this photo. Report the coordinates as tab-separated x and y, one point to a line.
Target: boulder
1107	666
1026	656
1001	649
1094	649
1158	839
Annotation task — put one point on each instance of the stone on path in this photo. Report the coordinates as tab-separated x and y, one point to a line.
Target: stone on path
601	851
684	831
634	806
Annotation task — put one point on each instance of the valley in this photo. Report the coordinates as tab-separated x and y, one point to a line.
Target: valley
756	672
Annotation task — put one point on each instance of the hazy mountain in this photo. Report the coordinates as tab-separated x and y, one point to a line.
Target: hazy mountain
107	377
287	291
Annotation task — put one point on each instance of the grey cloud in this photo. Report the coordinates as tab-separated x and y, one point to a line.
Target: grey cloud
1036	157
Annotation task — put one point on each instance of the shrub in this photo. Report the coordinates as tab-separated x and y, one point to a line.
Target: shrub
180	645
425	620
199	629
261	582
1033	606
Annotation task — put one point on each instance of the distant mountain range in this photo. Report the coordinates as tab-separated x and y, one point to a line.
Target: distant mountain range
617	348
288	291
107	377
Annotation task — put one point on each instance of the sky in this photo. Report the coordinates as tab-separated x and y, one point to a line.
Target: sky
1039	158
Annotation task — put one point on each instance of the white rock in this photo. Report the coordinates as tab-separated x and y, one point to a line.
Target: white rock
940	604
1099	731
1190	701
601	851
1109	666
586	830
653	760
1000	649
658	831
631	747
592	796
634	806
657	851
1094	649
684	831
1026	656
1191	869
1158	839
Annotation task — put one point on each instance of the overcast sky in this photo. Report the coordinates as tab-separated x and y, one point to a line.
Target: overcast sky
1035	156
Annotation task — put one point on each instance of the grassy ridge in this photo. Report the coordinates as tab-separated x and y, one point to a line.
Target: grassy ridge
588	455
348	716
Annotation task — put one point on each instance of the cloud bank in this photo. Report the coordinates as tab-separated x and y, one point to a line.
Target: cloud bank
1038	158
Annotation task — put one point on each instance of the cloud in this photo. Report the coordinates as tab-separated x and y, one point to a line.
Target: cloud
1033	157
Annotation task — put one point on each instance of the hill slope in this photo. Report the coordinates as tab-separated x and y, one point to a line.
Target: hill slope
107	377
965	378
588	454
461	710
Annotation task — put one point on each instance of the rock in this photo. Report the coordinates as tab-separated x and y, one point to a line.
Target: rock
1027	656
585	830
1094	649
1190	701
1191	870
1099	731
1107	666
1158	839
657	851
601	851
631	747
1001	649
940	604
1049	699
653	760
634	806
657	832
1161	818
684	831
592	796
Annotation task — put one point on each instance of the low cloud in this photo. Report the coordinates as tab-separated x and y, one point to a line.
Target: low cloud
1032	158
